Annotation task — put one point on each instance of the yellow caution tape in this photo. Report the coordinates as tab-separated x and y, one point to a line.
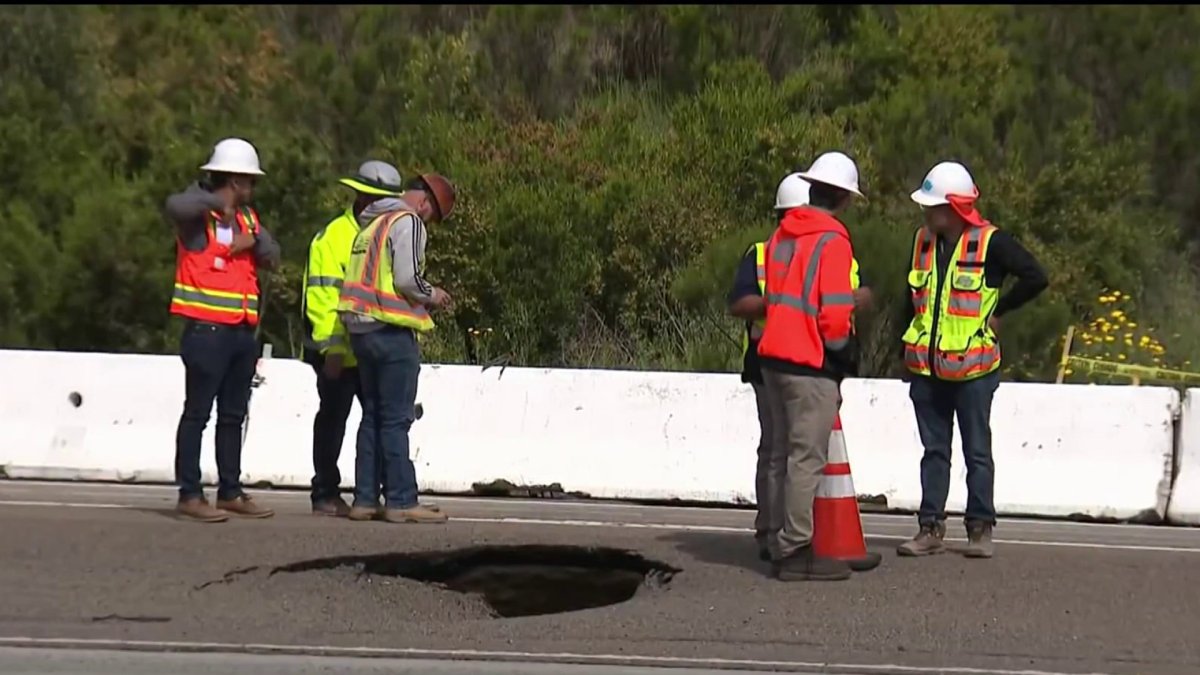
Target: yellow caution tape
1142	372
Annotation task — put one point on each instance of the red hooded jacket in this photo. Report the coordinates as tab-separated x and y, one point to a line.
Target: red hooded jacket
808	296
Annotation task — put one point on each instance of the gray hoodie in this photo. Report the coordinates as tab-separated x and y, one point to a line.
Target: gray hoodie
407	238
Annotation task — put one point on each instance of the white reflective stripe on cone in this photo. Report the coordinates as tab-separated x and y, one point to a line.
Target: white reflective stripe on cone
836	487
837	448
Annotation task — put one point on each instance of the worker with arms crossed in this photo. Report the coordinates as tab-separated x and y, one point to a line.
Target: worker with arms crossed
951	347
220	246
326	348
385	302
745	301
806	349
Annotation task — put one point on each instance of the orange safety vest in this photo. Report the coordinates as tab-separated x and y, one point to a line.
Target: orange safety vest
369	288
804	317
211	285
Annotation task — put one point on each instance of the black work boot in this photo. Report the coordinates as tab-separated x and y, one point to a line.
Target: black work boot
928	541
804	565
979	540
764	550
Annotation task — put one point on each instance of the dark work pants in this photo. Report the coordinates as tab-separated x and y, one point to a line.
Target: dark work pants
389	364
936	403
329	427
220	362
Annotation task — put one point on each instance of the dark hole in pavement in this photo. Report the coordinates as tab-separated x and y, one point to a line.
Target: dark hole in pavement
517	580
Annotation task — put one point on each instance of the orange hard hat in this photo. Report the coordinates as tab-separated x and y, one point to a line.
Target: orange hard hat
442	192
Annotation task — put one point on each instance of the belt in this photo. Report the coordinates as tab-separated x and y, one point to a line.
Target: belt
195	323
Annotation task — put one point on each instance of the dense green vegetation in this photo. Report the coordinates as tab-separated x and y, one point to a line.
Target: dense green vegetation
613	162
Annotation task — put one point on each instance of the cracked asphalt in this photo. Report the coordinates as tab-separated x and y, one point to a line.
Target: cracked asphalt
104	566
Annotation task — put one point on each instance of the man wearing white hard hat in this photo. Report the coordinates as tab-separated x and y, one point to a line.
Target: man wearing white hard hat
805	351
745	301
220	246
326	347
952	349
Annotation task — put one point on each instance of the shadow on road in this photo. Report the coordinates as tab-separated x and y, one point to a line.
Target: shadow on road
167	512
733	550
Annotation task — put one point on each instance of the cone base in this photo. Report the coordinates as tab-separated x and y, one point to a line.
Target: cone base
864	563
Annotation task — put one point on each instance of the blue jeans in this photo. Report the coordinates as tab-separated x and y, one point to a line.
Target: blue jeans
936	402
389	363
220	362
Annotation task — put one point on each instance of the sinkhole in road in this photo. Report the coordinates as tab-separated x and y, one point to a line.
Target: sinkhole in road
515	581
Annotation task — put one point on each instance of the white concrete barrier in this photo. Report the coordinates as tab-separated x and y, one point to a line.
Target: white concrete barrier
1060	450
1185	496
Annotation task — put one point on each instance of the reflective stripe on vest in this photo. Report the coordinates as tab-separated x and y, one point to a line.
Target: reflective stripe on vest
784	252
212	286
369	288
966	346
328	255
754	330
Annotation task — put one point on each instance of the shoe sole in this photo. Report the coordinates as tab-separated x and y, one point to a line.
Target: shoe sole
907	553
330	514
252	516
408	520
201	519
976	554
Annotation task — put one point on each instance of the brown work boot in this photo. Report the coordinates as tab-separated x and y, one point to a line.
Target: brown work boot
979	540
929	541
420	514
805	565
199	510
244	506
365	513
335	508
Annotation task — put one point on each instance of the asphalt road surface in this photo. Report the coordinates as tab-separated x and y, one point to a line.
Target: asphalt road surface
100	567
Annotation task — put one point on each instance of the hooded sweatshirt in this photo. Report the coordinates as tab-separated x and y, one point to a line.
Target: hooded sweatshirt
407	239
809	297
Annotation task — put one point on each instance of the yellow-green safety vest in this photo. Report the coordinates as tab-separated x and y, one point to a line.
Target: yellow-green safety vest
369	288
966	347
760	262
328	256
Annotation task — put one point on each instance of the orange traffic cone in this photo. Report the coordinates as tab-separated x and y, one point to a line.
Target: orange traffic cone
837	526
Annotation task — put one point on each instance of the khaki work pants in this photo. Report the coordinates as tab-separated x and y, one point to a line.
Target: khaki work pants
803	409
762	491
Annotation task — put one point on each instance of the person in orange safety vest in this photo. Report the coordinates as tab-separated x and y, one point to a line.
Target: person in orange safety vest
220	245
805	351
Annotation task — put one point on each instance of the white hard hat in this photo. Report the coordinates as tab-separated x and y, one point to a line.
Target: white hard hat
947	178
836	169
234	155
792	192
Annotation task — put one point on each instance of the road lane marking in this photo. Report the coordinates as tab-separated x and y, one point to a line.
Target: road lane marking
487	655
516	520
886	519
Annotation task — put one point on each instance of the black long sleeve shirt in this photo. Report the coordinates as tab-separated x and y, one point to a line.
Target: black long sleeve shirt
1005	257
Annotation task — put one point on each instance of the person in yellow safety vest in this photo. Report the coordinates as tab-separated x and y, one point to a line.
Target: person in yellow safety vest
951	347
325	347
384	302
745	301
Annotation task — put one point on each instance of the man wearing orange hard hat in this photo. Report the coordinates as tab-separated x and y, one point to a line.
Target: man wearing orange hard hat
952	349
384	303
